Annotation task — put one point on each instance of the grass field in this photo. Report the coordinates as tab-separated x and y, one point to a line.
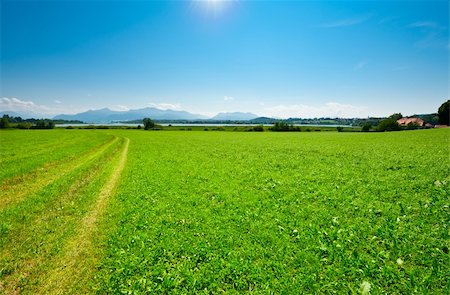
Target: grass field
132	211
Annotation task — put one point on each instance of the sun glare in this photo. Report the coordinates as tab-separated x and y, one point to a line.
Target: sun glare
214	7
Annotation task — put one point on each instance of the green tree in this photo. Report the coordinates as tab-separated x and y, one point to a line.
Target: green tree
148	123
44	124
40	124
412	126
50	124
24	125
4	122
396	116
389	124
283	126
259	128
366	127
444	113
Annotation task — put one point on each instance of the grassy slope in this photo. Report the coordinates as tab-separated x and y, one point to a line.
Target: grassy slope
282	212
35	230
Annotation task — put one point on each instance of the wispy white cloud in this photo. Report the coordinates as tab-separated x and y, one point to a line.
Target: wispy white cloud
330	109
360	65
434	35
165	106
433	40
228	98
28	108
424	24
347	22
17	105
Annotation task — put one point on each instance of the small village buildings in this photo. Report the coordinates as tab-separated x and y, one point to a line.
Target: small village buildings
410	121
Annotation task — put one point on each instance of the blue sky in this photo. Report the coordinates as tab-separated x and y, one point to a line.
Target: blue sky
273	58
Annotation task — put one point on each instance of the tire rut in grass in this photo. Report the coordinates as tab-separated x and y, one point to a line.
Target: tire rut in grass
37	233
13	190
80	253
40	149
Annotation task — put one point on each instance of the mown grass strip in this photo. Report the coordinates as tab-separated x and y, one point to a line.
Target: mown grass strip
62	158
31	150
34	138
20	157
38	231
15	189
80	252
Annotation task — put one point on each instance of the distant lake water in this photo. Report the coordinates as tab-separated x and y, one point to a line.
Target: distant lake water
197	124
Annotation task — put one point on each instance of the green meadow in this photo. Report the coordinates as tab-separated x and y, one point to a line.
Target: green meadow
144	212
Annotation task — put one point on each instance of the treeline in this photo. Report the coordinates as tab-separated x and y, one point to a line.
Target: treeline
284	127
378	124
355	122
12	119
17	122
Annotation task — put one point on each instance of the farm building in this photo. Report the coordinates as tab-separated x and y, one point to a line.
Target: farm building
412	120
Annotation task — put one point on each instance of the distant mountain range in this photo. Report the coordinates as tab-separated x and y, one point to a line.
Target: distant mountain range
106	115
236	116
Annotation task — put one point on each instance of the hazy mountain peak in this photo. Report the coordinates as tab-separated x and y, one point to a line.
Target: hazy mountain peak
106	115
234	116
